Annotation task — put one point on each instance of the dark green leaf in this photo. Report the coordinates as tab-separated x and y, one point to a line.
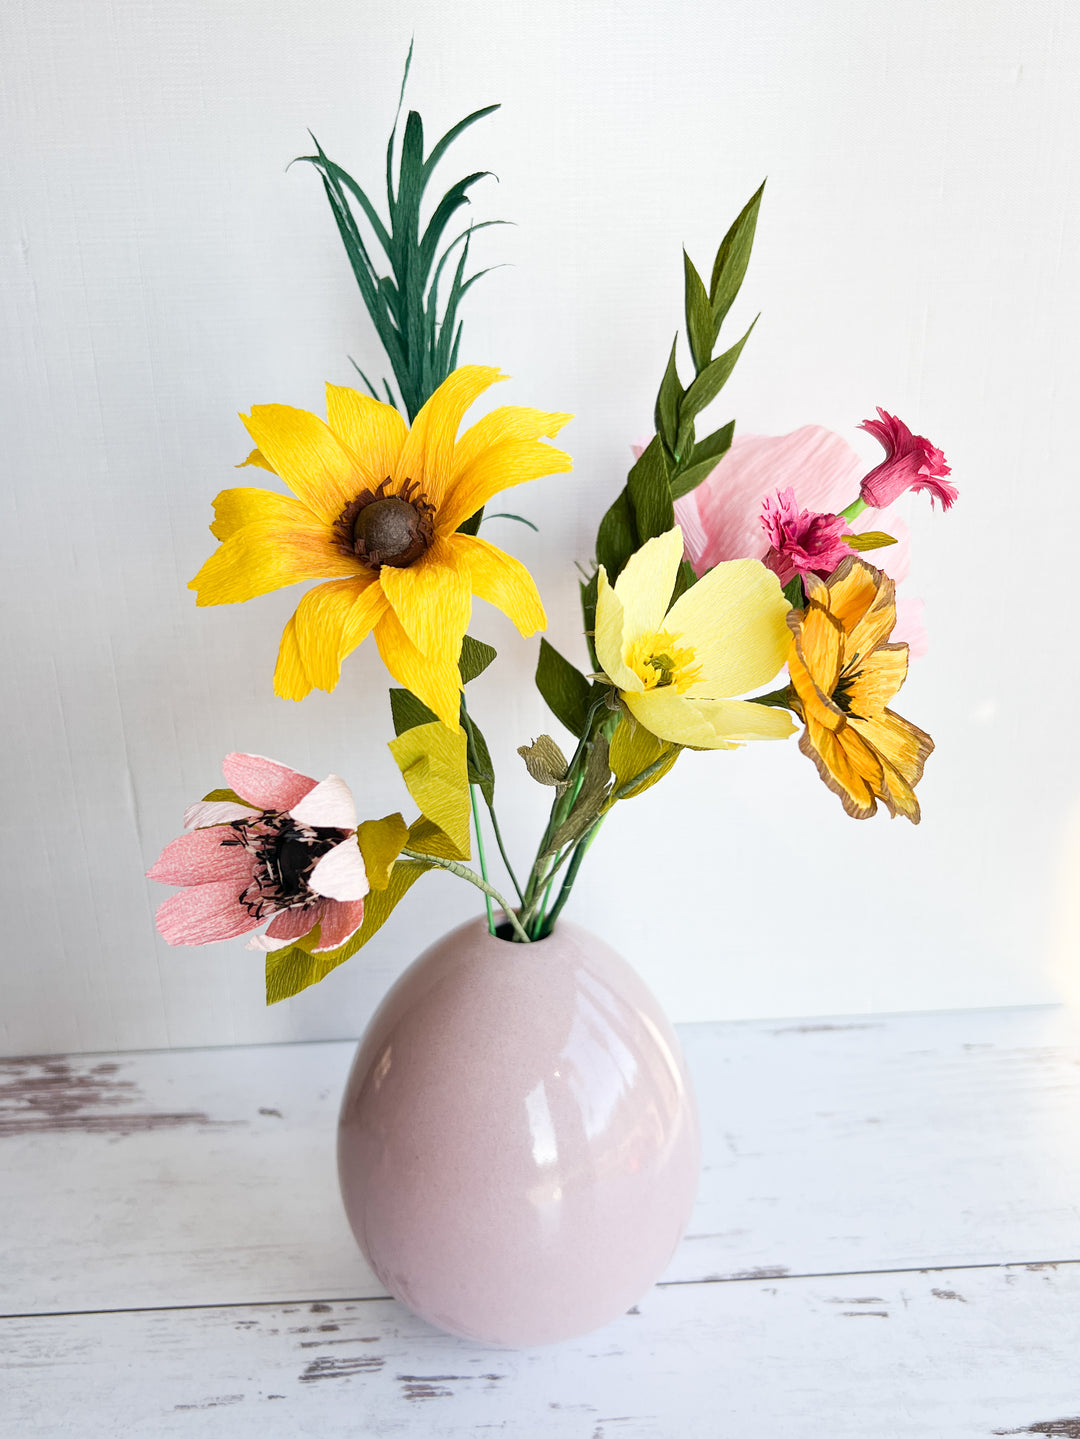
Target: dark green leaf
699	317
710	382
702	461
481	769
408	711
617	538
474	659
732	259
451	135
666	413
454	198
371	388
684	579
566	690
589	799
793	593
588	614
472	525
650	493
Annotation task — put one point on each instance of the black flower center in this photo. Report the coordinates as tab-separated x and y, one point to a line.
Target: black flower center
285	854
381	529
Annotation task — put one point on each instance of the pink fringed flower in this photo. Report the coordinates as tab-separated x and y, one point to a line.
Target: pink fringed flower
801	542
289	850
911	463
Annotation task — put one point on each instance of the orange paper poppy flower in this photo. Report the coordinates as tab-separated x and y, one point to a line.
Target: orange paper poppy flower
843	674
375	509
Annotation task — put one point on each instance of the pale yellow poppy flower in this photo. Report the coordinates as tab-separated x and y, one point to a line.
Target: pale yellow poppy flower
677	669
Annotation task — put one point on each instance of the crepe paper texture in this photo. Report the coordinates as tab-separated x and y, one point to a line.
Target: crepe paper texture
725	601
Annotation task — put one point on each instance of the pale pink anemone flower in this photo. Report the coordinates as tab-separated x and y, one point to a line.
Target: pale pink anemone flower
721	519
289	850
911	463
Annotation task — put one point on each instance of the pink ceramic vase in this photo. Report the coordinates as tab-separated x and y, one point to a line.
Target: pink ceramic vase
518	1145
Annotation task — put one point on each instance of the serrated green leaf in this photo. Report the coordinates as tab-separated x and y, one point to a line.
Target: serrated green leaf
218	795
710	382
474	658
732	258
666	411
703	459
649	490
617	537
699	316
565	689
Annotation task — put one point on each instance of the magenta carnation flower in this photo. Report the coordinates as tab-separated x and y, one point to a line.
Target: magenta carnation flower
288	850
801	542
911	463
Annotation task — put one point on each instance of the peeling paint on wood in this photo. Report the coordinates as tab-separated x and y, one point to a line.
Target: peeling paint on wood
328	1367
45	1096
1051	1428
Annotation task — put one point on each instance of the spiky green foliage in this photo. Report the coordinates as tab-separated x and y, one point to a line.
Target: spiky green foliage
420	343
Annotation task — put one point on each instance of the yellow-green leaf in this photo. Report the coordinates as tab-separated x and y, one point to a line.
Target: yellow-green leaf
869	540
381	841
433	760
634	749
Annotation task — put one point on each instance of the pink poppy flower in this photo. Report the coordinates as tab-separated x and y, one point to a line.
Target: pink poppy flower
289	850
801	542
721	519
911	463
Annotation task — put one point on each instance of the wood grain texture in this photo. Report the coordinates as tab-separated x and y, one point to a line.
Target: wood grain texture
207	1177
952	1355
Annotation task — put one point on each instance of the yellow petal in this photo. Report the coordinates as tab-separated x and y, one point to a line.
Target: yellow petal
308	456
735	621
645	585
431	598
819	640
435	680
428	452
877	677
433	764
256	458
847	764
498	452
502	581
381	841
903	750
706	723
863	599
233	509
331	620
374	432
266	556
608	636
290	677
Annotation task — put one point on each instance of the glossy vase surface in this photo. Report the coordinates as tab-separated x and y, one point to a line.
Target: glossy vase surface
518	1145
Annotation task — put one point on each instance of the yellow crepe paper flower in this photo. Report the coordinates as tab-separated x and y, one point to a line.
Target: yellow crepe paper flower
676	669
843	674
375	508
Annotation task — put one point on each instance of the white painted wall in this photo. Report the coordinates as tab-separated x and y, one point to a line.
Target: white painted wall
161	271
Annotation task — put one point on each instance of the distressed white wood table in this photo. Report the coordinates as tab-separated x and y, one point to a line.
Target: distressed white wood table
887	1243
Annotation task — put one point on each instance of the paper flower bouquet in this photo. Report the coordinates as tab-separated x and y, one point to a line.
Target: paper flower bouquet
719	565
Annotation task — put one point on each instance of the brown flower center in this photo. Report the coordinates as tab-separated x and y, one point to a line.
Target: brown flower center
381	529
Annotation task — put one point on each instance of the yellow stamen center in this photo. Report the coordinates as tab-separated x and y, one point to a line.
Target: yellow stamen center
658	661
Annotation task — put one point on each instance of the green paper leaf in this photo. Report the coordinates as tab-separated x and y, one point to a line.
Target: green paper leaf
793	593
434	765
666	412
545	761
732	258
633	750
451	135
381	841
699	315
505	515
703	459
216	796
407	711
617	537
709	384
650	493
587	589
590	798
474	659
565	689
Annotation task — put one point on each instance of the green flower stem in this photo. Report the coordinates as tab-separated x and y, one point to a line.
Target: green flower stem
463	872
470	736
853	510
631	784
571	874
483	857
